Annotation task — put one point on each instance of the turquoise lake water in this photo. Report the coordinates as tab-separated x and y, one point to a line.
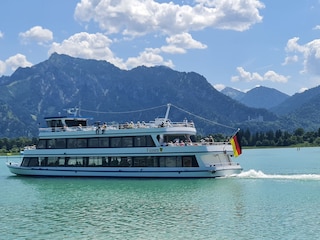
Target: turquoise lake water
276	197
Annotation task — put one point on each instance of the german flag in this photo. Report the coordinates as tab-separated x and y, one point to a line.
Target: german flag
236	145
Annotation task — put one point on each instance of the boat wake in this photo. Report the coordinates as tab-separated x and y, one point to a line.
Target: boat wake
254	174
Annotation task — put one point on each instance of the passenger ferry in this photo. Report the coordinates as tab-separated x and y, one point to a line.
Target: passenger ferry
70	147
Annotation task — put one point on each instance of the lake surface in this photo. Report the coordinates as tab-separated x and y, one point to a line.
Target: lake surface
276	197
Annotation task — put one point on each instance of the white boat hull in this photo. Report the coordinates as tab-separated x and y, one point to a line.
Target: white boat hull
221	171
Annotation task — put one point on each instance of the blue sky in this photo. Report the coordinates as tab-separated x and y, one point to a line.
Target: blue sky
234	43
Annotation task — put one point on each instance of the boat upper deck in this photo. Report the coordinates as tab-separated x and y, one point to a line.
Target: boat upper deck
74	126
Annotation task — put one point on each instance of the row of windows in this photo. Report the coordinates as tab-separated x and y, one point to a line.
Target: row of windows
96	142
154	161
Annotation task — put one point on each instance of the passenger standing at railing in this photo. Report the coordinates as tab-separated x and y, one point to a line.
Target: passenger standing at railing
104	127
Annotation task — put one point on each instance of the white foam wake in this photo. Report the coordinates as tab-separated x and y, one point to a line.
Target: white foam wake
259	174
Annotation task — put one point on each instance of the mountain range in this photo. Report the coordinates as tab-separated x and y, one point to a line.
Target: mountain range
104	91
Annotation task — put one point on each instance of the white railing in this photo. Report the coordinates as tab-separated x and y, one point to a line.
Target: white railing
115	126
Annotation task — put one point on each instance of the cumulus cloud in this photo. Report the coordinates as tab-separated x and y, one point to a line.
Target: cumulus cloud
88	46
251	77
16	61
290	59
1	34
316	27
150	57
301	90
310	53
137	17
37	34
219	87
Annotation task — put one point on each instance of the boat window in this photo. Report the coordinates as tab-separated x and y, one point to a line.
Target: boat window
105	161
72	143
75	122
42	144
81	143
51	143
25	162
189	161
60	143
95	161
43	161
162	161
51	161
140	141
79	162
149	142
125	162
179	161
139	162
71	161
114	161
152	162
93	142
127	142
60	161
171	161
115	142
104	142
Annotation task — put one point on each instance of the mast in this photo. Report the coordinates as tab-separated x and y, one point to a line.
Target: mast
167	113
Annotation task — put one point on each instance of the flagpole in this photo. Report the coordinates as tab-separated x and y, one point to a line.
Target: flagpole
235	132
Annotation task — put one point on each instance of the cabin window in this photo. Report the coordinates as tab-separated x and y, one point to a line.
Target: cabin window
140	141
95	161
152	162
61	161
171	161
115	142
114	161
51	143
60	143
82	143
127	142
139	162
72	143
125	162
43	161
51	161
93	142
104	142
30	162
149	141
189	161
42	144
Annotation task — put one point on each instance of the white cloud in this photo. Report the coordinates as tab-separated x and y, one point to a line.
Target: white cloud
316	27
301	90
310	53
290	59
2	67
97	46
1	34
251	77
219	87
186	41
88	46
16	61
150	57
37	34
180	42
137	17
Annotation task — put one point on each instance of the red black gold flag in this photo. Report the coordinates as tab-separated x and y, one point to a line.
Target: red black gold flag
236	145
